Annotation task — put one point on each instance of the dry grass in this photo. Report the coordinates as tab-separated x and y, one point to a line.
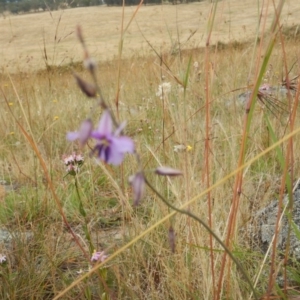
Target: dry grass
50	105
22	37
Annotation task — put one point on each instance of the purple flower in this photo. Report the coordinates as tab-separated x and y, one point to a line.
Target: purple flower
73	162
267	89
99	256
72	170
110	146
73	159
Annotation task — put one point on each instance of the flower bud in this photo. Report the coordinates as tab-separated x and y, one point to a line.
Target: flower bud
79	34
137	182
87	88
172	239
90	64
166	171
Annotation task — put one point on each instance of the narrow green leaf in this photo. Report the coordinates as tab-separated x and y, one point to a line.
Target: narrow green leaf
296	229
279	155
187	74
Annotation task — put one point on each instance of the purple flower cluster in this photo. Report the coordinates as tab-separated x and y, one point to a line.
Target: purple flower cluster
73	162
99	256
110	146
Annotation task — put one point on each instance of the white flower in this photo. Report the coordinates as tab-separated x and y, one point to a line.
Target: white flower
163	89
2	258
179	148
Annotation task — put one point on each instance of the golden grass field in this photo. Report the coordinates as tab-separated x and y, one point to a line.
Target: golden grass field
22	37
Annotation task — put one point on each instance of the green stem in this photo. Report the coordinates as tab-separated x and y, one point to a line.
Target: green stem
83	213
188	213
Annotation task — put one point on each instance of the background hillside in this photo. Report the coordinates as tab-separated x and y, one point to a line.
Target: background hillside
26	41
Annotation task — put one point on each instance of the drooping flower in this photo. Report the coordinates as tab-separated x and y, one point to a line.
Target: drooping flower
137	182
110	146
99	256
86	87
167	171
172	239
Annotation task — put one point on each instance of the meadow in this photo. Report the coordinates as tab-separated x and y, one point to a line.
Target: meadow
174	73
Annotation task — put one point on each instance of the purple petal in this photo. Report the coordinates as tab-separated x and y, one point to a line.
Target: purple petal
72	136
102	152
83	134
97	135
114	154
106	153
105	126
123	144
109	154
115	157
85	131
